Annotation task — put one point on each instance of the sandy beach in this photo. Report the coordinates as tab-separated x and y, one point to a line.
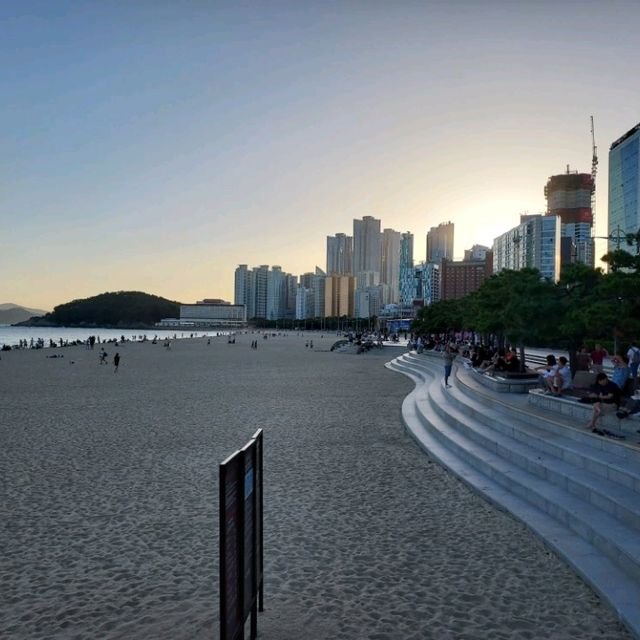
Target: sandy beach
109	504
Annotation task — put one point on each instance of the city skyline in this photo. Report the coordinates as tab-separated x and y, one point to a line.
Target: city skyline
154	147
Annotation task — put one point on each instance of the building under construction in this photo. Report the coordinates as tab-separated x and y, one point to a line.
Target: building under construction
570	196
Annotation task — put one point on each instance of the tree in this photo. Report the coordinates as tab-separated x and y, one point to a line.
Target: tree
443	316
116	309
621	260
515	305
576	310
617	306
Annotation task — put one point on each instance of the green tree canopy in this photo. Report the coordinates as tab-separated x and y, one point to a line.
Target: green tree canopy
622	260
514	304
440	317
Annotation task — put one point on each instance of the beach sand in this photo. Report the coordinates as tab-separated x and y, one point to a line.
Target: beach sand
109	512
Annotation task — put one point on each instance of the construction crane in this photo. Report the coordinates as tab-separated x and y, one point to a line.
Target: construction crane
594	171
594	156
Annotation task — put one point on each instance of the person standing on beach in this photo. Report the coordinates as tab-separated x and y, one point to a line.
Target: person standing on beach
449	357
116	362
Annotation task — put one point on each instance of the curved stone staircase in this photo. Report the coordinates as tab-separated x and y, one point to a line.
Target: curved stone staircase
579	492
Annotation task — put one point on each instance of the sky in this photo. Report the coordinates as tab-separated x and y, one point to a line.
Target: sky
154	146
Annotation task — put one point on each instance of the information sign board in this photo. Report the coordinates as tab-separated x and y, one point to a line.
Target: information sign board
231	617
241	531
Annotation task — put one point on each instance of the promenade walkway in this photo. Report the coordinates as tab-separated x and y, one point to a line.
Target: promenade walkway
579	492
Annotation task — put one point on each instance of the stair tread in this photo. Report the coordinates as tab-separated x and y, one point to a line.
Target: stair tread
607	578
581	447
623	495
624	536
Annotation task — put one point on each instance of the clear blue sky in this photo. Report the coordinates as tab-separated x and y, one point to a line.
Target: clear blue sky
155	145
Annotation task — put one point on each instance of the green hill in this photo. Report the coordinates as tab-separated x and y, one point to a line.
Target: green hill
124	309
11	313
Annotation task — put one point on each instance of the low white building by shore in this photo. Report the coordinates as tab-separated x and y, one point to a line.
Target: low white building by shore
208	314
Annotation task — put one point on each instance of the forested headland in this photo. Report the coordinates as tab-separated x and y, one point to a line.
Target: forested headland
121	309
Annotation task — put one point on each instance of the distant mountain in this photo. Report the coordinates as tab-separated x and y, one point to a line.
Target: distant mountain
125	309
11	313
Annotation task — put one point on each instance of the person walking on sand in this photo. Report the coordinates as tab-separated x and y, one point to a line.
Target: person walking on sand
116	362
449	357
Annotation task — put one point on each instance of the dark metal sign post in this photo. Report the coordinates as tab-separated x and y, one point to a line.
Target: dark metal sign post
241	540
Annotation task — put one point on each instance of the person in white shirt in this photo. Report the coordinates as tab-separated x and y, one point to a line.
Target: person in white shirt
561	380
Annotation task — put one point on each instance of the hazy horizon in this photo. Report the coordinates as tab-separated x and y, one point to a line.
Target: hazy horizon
154	146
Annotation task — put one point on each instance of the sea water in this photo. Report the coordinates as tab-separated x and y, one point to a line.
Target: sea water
11	336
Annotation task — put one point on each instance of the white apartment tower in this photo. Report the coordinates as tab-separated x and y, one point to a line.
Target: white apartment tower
241	285
534	243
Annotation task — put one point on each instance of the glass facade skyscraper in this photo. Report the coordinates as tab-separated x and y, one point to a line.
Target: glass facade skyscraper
624	187
534	243
407	271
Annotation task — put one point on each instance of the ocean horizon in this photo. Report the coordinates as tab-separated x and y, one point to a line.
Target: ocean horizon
12	335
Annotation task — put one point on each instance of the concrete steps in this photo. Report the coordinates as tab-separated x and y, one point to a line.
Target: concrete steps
580	494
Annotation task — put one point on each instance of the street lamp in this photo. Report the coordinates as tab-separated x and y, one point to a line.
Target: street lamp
619	236
615	328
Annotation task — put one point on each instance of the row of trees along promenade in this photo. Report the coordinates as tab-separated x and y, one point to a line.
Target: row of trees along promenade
586	305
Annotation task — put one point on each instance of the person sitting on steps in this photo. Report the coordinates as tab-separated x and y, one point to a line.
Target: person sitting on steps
603	393
561	380
548	371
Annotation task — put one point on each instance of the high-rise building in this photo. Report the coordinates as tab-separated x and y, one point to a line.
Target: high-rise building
251	294
366	279
390	262
368	302
624	188
339	296
477	252
534	243
569	196
276	293
259	283
427	276
241	285
407	273
306	280
304	303
339	254
292	290
460	278
266	293
366	245
319	288
245	288
440	242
